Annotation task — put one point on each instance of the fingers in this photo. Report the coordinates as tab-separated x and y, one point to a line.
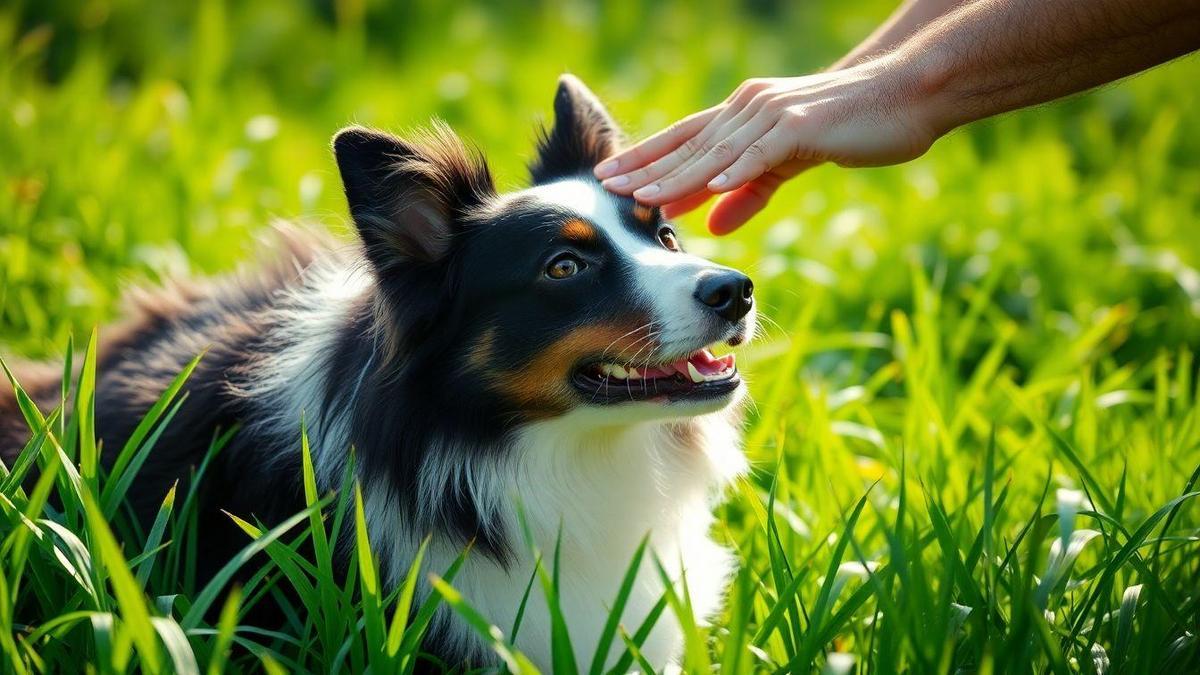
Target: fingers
761	156
687	204
738	206
633	181
690	151
656	146
733	209
695	174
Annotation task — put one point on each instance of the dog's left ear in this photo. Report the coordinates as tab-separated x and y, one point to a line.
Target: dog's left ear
409	197
583	134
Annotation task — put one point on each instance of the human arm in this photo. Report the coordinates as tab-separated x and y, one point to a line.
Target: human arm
909	17
979	59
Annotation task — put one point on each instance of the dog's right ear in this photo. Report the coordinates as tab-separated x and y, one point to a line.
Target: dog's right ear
583	135
408	198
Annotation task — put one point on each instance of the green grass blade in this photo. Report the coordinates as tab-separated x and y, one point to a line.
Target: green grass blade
416	629
824	602
183	661
618	607
561	652
524	604
640	636
492	635
695	654
147	423
222	578
404	601
295	568
119	483
135	614
368	576
85	414
154	539
226	625
328	619
635	651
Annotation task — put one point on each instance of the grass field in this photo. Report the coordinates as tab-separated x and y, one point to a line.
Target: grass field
976	430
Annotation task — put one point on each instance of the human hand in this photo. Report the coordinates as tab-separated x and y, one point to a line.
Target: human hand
768	131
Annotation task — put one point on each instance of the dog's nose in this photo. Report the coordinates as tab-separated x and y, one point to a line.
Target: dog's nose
730	294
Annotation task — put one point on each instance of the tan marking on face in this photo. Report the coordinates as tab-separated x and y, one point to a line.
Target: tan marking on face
541	387
643	213
578	230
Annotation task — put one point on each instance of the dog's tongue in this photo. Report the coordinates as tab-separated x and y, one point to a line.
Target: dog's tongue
703	361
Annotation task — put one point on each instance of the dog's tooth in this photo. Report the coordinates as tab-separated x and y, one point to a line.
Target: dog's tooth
619	371
695	374
634	374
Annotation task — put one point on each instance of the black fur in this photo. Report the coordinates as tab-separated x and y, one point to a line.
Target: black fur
583	135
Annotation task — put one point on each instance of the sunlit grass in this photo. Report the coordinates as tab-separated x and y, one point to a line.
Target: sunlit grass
974	436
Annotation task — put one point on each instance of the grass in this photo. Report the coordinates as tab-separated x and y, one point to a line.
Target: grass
975	434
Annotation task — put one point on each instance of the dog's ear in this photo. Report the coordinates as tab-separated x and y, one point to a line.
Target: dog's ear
407	198
583	134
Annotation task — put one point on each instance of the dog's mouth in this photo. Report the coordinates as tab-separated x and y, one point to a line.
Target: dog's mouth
697	376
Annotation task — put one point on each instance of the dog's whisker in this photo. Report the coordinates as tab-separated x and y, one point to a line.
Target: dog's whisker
646	326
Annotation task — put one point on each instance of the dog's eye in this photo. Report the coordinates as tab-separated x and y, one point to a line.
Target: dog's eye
667	236
565	265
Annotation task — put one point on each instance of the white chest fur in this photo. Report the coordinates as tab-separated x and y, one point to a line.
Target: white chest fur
607	488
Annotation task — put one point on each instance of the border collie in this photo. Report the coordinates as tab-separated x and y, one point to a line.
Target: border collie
543	351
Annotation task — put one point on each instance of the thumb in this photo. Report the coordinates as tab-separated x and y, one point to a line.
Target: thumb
686	205
735	208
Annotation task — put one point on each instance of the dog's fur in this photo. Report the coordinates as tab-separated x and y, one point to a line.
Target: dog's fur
441	352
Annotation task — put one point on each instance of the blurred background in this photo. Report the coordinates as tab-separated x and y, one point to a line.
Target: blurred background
1031	274
143	139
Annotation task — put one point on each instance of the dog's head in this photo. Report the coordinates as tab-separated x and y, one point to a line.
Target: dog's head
547	300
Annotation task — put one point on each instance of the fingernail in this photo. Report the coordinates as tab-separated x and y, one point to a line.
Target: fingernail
647	191
619	181
607	169
717	182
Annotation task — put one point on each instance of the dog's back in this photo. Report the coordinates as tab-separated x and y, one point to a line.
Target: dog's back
227	321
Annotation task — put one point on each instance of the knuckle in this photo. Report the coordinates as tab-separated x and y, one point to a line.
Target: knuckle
639	176
793	118
780	100
747	90
756	84
764	97
722	150
692	146
756	150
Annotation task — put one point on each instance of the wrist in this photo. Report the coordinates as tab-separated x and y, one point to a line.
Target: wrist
923	81
934	74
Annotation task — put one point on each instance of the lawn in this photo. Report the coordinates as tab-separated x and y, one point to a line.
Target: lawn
976	424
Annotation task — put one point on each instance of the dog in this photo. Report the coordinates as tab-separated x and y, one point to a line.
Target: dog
530	362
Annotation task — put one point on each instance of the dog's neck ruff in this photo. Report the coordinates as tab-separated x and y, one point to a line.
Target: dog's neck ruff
593	494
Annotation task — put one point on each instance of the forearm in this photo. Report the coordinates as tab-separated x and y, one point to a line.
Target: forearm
992	56
906	20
